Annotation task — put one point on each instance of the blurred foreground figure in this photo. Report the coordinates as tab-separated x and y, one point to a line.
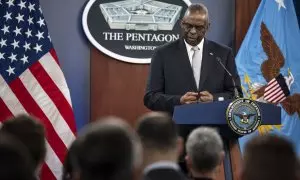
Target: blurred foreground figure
15	162
108	149
32	134
270	157
162	147
205	154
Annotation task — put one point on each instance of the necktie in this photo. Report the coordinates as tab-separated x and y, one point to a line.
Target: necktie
196	64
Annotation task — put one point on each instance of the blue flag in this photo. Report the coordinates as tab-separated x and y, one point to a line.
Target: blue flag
274	36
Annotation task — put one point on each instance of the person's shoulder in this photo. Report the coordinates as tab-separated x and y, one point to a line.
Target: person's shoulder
169	46
218	46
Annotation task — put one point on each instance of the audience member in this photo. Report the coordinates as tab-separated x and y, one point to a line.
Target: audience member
162	147
31	133
269	157
71	167
15	162
204	148
109	149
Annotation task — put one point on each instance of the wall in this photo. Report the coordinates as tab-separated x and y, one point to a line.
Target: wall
221	14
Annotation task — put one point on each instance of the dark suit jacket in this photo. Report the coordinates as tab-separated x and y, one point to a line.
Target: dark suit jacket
164	174
171	75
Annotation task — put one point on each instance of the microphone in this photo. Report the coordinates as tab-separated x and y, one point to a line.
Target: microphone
236	93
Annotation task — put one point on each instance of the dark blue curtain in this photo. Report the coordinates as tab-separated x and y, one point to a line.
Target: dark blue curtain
297	7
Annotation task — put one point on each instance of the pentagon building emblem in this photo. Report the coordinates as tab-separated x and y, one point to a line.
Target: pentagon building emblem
130	30
141	15
243	116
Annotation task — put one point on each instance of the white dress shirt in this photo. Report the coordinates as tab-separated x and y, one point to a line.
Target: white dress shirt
190	51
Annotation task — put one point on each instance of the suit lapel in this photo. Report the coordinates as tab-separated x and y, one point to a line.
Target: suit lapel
185	64
206	63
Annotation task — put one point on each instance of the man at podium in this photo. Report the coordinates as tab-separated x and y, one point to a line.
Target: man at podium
191	69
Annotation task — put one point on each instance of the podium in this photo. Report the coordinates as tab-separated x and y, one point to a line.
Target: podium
214	115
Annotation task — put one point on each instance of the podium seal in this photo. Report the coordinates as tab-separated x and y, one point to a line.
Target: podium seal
243	116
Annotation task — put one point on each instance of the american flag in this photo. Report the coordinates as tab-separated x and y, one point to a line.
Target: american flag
276	90
31	80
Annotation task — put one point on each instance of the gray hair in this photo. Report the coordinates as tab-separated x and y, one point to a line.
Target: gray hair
204	147
197	8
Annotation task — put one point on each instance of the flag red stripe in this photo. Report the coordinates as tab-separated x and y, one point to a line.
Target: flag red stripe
282	99
4	111
54	55
277	91
271	84
274	79
275	96
279	98
267	93
46	173
54	93
33	109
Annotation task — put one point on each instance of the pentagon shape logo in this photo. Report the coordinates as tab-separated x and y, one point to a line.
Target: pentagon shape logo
130	30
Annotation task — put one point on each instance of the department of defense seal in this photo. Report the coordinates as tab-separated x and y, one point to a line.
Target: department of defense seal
243	116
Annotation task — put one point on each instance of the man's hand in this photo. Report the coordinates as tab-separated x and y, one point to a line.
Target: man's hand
205	96
189	97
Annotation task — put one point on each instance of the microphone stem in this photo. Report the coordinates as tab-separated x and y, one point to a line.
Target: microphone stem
236	93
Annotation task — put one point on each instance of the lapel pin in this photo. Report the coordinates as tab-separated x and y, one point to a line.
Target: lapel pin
211	53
